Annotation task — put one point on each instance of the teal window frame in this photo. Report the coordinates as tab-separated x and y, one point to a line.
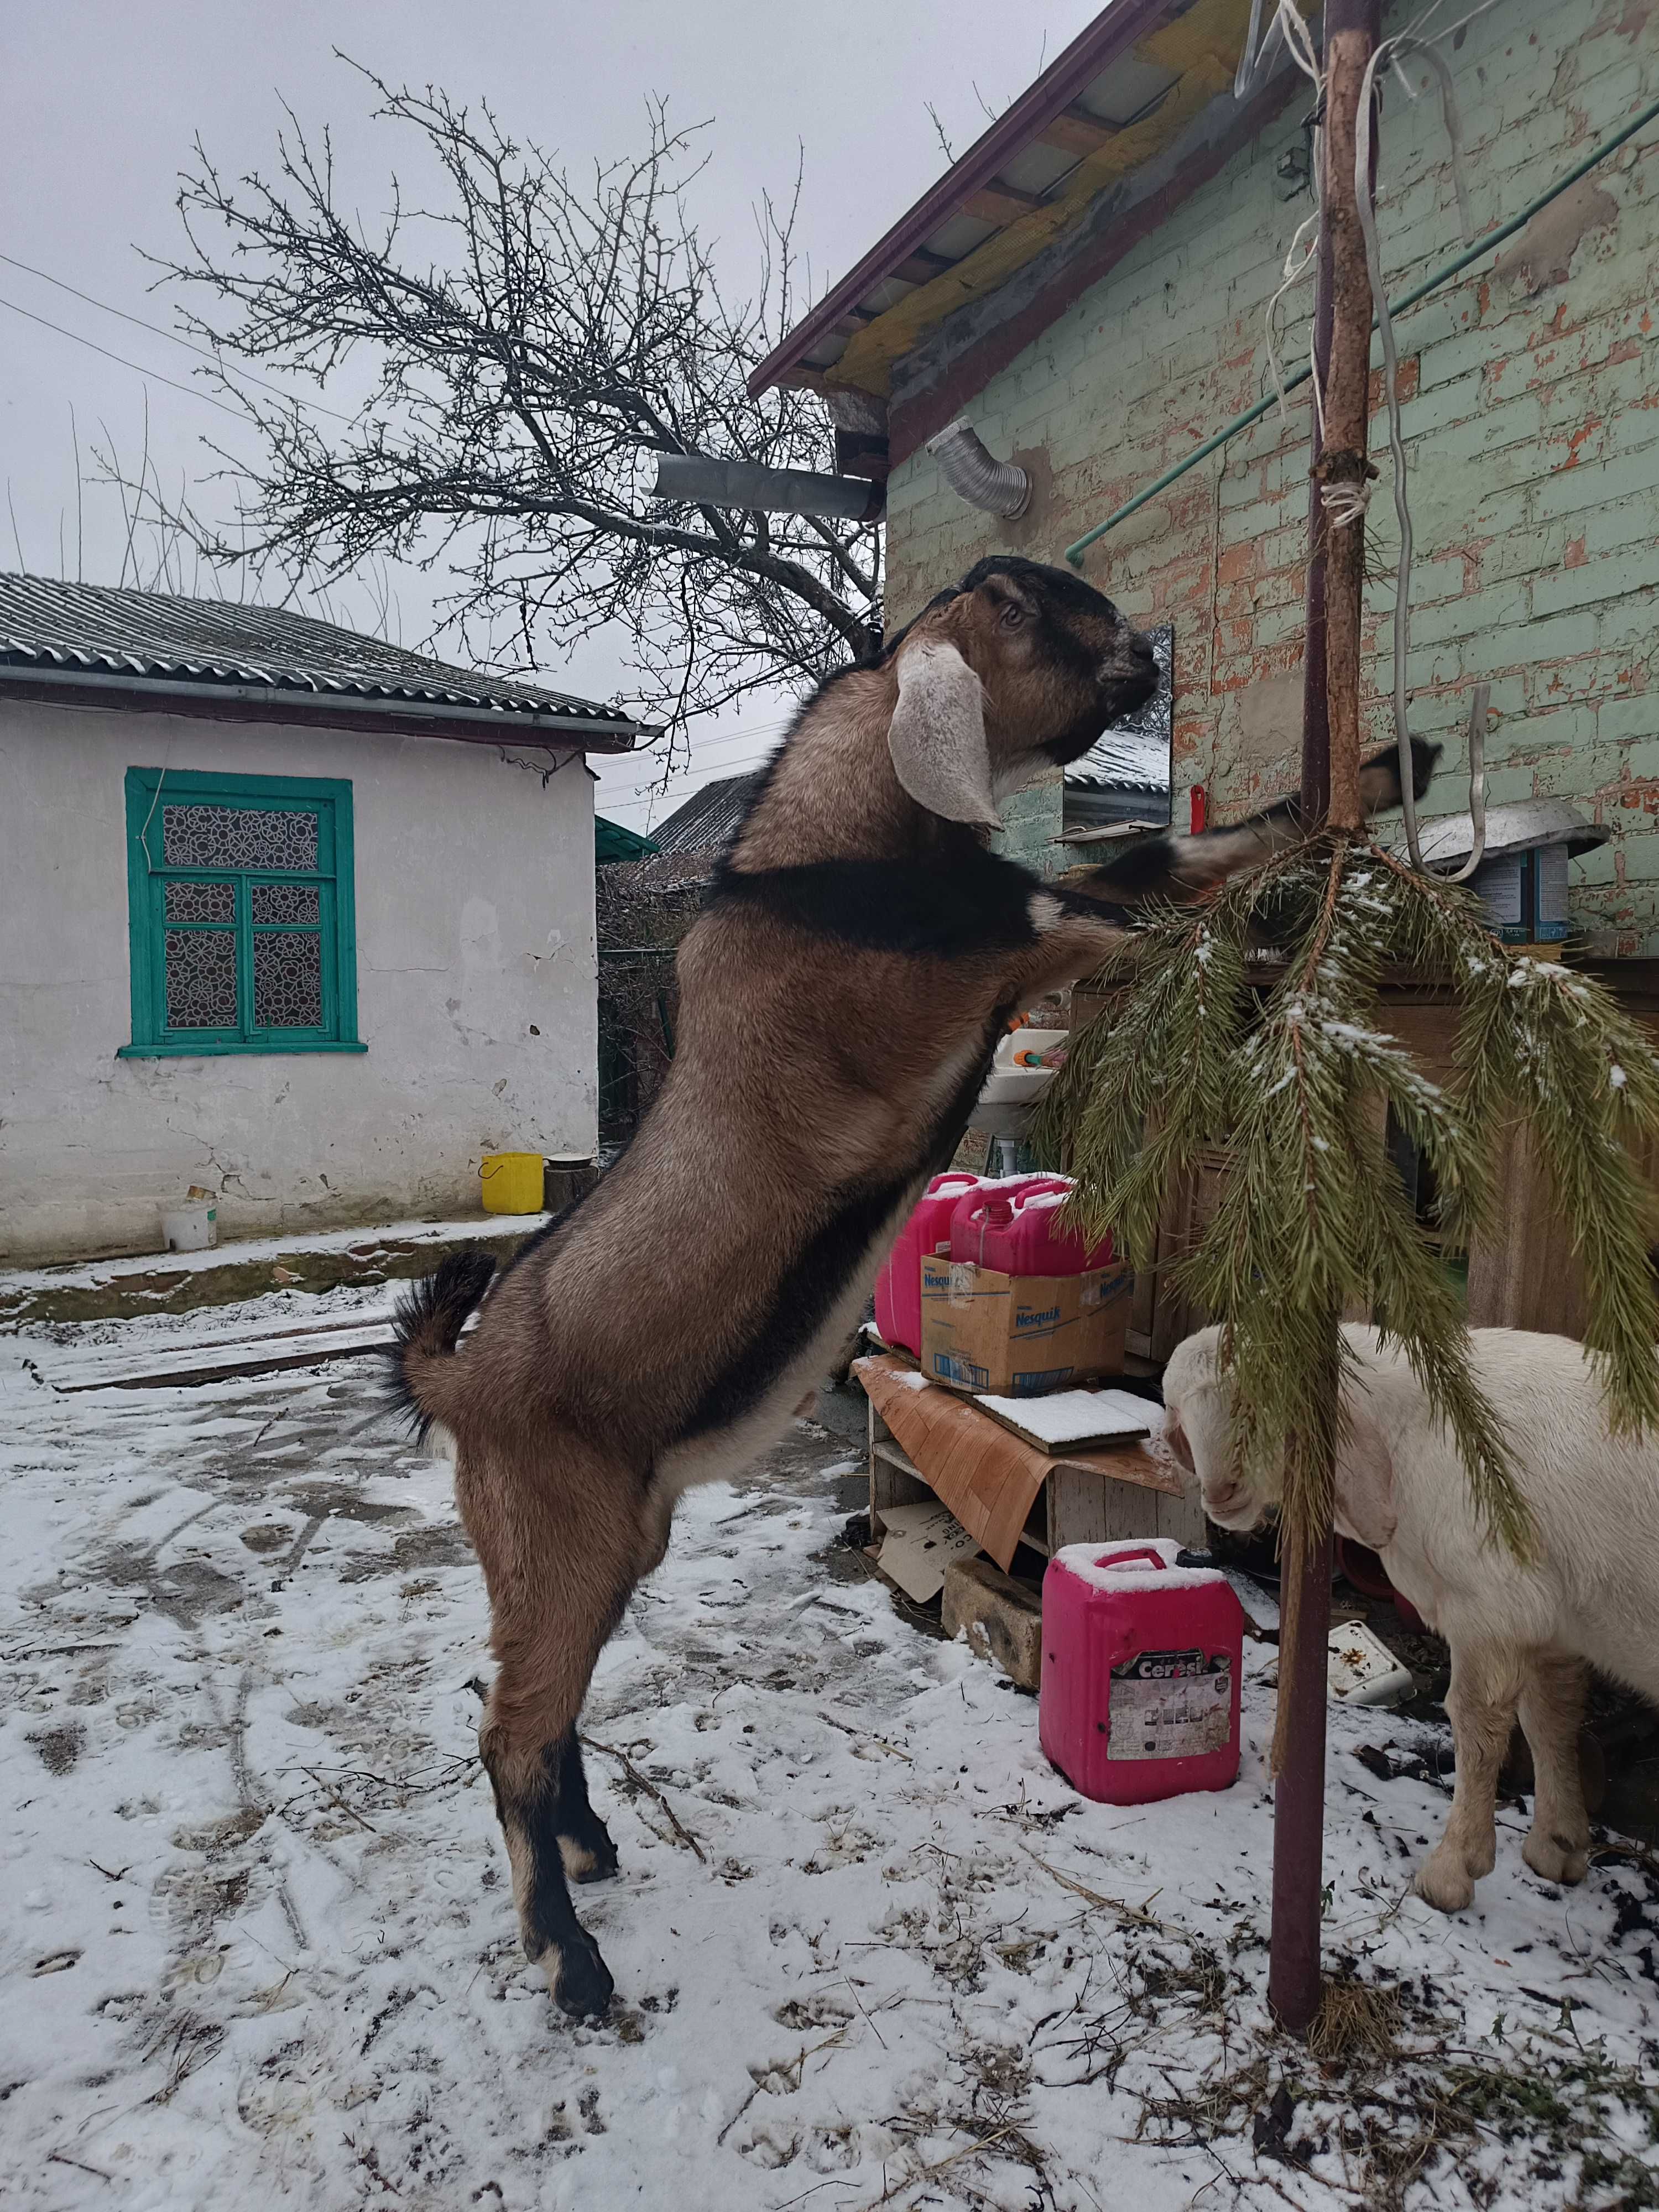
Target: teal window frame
330	799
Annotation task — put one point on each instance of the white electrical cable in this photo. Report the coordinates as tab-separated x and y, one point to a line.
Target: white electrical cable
1391	54
1295	271
1345	504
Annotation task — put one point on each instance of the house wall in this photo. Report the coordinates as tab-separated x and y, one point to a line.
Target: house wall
475	982
1532	417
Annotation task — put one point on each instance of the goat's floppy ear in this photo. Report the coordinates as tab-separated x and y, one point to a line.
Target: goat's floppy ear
1364	1482
937	737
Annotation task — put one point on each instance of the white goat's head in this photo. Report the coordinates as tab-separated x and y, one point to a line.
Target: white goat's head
1198	1403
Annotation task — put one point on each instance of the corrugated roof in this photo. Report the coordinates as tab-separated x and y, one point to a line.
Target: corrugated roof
144	637
708	820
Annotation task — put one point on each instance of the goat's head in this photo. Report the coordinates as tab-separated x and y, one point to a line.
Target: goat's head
1019	667
1199	1431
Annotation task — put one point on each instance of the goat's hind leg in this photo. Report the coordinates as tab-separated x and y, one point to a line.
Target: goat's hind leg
585	1844
555	1600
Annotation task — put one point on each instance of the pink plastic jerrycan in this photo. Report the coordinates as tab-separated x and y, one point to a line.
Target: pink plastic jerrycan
1013	1227
898	1286
1141	1661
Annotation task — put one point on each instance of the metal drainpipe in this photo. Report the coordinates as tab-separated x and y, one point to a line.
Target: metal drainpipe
698	479
976	475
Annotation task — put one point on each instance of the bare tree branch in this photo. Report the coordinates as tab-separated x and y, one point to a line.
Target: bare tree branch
516	345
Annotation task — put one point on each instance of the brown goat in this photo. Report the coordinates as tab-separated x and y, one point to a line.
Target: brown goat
840	995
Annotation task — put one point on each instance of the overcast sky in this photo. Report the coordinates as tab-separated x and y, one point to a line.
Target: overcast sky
101	101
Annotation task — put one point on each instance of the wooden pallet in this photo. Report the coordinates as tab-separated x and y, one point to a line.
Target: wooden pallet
1007	1492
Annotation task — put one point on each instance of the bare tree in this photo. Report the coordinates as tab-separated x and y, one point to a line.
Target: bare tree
516	352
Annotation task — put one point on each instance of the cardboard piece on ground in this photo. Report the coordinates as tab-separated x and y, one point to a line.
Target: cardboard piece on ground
1073	1420
1022	1336
920	1541
985	1474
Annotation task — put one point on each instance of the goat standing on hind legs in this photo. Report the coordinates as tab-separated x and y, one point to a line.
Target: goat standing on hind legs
840	996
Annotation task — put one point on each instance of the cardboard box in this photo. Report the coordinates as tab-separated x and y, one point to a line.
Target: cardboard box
1021	1335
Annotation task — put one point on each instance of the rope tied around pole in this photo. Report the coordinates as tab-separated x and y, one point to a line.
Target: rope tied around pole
1346	483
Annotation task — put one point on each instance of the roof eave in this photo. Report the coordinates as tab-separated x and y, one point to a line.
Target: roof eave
343	709
1112	34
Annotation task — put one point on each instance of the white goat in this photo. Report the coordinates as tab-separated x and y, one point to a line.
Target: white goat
1519	1635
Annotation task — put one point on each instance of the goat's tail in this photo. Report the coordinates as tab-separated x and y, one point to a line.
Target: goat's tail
427	1326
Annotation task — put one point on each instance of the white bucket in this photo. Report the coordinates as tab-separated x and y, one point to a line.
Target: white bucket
189	1228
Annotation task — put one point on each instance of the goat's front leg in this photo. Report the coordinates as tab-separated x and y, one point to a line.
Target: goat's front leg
1485	1683
1072	936
1552	1707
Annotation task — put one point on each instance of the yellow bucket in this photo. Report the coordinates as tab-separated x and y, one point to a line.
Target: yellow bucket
511	1182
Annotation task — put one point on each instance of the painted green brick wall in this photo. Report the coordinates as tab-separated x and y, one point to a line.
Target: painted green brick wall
1532	423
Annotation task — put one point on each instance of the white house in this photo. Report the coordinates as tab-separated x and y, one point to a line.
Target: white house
286	912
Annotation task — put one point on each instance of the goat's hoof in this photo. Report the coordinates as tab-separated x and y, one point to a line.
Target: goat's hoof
1556	1858
579	1978
1443	1881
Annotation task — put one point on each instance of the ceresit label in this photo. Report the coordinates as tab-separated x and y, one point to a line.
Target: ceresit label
1170	1705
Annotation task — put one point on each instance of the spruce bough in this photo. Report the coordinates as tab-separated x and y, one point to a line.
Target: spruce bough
1283	1063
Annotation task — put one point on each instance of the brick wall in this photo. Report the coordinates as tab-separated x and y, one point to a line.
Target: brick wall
1532	420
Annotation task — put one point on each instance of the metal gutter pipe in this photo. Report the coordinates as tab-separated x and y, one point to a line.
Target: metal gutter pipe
697	479
1443	274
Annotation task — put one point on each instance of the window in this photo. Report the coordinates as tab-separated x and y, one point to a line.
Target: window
239	906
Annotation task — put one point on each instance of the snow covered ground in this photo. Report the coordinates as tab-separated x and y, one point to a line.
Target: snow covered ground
257	1947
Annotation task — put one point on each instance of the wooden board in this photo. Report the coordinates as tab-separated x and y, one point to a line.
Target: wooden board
1116	1418
160	1367
988	1476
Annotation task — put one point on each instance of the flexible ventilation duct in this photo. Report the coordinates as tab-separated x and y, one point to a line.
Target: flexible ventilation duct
998	487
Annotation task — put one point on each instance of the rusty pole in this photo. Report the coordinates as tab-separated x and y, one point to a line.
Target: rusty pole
1330	784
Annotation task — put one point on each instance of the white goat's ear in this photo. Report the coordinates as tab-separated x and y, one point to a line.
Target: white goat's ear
1364	1483
937	738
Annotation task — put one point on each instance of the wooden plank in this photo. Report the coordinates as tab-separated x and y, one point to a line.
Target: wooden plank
1092	1509
1074	130
186	1371
1102	1426
893	1480
999	203
1086	1509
